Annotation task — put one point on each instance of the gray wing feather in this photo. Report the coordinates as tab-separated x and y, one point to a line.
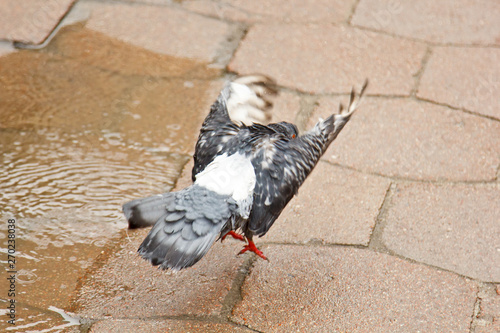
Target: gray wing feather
282	167
215	131
233	105
278	178
188	228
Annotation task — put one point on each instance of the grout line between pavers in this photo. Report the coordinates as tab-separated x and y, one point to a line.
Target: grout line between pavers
234	296
382	250
478	319
60	24
464	110
414	180
475	312
421	70
425	41
226	51
353	11
376	243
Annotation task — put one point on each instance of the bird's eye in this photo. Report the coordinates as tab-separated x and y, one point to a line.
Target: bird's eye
293	136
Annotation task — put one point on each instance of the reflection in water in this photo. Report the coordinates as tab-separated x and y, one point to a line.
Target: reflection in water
85	125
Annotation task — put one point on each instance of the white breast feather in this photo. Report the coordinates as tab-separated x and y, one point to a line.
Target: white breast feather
229	175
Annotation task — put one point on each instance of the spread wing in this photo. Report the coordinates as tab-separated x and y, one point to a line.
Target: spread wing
281	166
241	101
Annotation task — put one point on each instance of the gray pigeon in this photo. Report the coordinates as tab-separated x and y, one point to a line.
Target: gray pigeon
243	177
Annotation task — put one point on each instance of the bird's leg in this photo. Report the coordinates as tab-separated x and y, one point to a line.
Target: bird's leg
234	235
252	248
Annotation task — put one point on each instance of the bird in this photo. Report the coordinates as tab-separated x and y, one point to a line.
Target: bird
244	175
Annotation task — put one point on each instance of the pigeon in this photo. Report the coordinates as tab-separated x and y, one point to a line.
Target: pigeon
244	175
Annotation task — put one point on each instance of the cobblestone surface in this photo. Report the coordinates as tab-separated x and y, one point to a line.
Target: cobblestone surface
450	80
449	21
161	29
31	21
324	289
323	58
396	230
451	226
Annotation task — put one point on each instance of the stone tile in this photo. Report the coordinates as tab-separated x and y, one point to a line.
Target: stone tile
167	325
451	21
168	30
31	21
282	10
74	42
454	227
416	140
334	205
339	289
286	107
464	78
128	286
488	319
322	58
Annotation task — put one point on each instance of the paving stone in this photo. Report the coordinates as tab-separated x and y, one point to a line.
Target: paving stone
31	21
450	21
74	42
168	30
341	289
488	319
166	325
454	227
282	10
286	107
416	140
336	57
128	286
334	205
464	78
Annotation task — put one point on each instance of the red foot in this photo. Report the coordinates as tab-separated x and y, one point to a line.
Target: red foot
235	235
252	248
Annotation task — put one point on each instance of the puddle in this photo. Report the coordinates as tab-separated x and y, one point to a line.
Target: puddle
85	125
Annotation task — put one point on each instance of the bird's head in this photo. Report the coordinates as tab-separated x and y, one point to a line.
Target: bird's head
288	129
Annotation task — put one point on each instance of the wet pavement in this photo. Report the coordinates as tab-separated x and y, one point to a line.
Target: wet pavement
396	230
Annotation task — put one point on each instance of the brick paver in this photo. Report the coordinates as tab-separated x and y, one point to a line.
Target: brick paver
281	10
31	21
286	107
161	29
449	78
334	205
450	226
128	286
323	58
165	325
337	289
449	21
416	140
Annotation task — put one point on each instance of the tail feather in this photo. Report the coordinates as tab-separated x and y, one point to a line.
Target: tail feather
142	213
190	224
339	120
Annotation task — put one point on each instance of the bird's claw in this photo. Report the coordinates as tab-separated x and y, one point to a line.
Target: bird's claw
252	248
